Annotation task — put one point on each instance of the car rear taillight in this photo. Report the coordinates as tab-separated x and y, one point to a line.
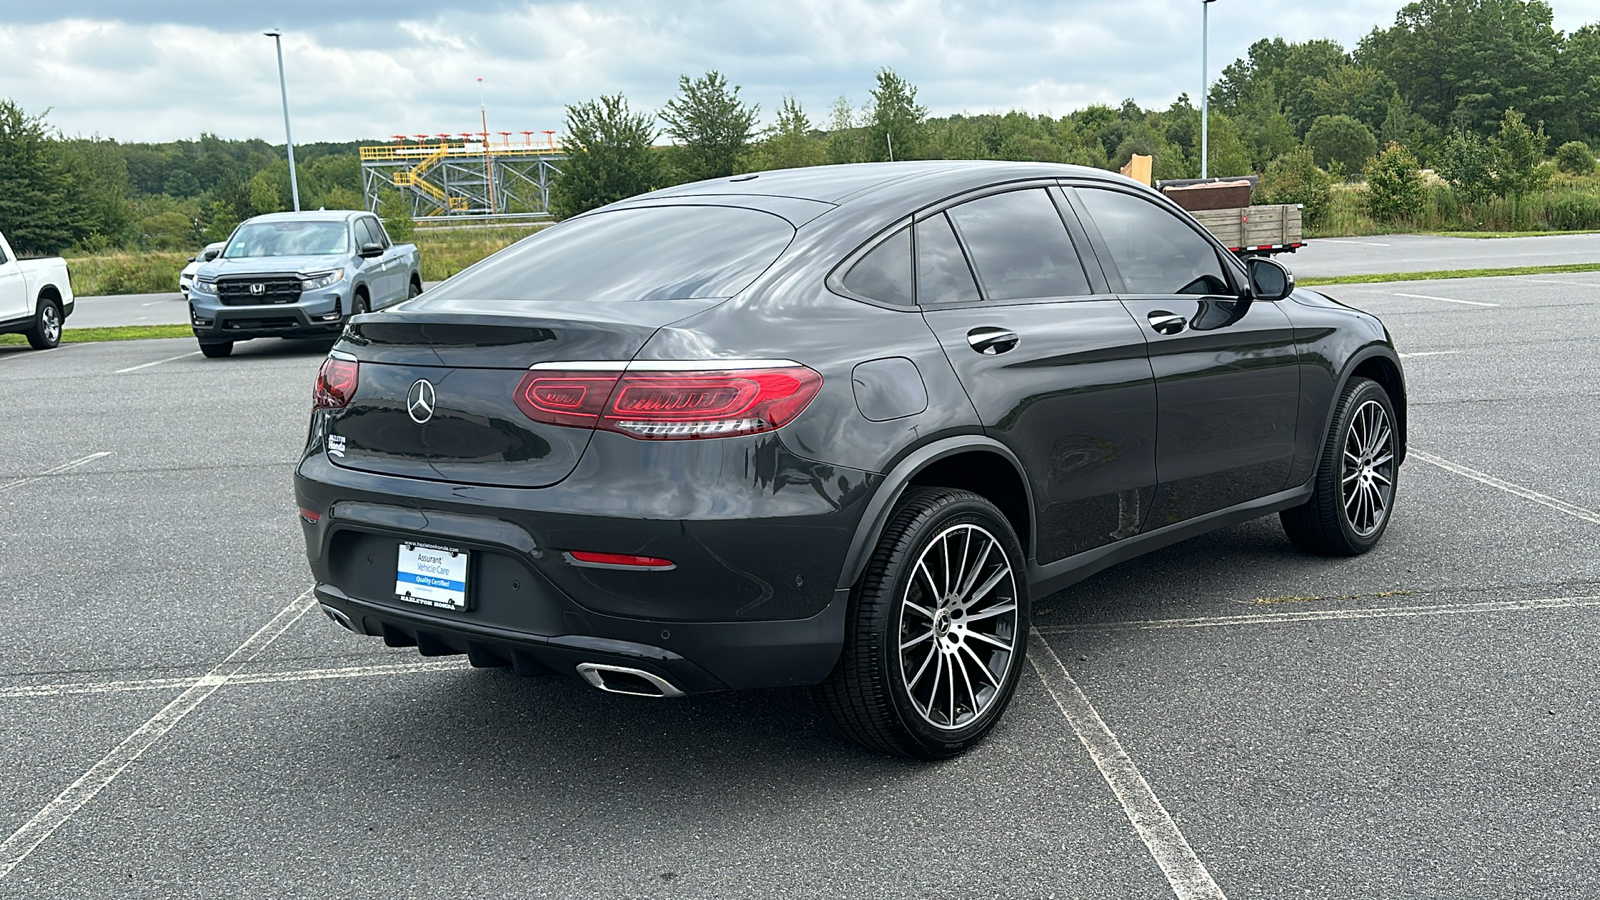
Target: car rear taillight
659	402
593	559
336	383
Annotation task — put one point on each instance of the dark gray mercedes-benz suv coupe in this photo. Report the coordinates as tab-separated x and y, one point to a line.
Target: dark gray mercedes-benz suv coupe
831	426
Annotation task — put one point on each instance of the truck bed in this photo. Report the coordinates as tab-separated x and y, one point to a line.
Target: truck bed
1256	230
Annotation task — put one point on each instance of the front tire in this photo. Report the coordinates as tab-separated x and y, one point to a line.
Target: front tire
937	629
46	331
217	350
1354	490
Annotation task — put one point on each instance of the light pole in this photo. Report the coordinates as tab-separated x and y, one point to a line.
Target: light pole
1205	87
283	87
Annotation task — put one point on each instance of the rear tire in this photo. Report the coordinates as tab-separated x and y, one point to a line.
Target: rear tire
217	350
937	629
46	331
1356	478
413	290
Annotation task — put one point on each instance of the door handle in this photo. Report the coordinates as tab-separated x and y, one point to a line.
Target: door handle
990	341
1167	323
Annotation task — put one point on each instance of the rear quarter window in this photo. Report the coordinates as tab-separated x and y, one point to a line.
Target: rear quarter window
646	253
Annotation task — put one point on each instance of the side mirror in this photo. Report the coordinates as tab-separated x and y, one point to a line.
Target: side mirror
369	251
209	255
1269	280
192	259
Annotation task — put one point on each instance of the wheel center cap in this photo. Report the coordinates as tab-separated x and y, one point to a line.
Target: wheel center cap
942	625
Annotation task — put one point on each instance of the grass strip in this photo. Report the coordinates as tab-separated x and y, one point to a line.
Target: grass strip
1385	277
1496	235
116	333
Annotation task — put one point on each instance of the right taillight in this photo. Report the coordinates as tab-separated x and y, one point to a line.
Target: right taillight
336	383
668	403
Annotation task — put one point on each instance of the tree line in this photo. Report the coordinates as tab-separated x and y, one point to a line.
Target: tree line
1480	91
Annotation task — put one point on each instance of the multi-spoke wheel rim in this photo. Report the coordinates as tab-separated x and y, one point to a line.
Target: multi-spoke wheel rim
52	324
1366	473
958	627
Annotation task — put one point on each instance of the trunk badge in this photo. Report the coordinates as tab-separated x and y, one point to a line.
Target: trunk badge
420	400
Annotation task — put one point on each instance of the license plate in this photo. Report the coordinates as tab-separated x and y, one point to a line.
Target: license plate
432	576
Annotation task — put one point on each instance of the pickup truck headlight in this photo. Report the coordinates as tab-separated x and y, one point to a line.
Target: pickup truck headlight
320	280
204	286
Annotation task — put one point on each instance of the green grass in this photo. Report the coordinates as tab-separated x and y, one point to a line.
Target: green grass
1450	273
1492	235
118	333
447	251
155	272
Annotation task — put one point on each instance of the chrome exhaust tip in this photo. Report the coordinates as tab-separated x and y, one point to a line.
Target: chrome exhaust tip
338	617
622	680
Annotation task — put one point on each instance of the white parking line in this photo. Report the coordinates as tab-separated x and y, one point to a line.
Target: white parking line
1184	871
1558	505
1444	299
1429	353
1331	615
26	839
156	363
56	471
167	684
1348	241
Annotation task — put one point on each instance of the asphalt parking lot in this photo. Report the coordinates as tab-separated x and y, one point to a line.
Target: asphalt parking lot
1225	718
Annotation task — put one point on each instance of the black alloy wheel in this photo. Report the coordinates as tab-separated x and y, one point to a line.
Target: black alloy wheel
937	629
46	331
1354	495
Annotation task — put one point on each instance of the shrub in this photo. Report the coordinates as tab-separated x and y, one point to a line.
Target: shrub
1575	212
1575	158
1395	189
1343	140
1518	152
1467	163
1295	178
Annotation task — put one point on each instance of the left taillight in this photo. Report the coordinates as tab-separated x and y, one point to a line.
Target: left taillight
675	402
336	383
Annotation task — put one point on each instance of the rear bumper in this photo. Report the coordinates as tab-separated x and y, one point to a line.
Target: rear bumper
752	600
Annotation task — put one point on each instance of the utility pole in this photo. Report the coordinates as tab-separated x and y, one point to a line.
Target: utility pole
1205	87
288	138
488	159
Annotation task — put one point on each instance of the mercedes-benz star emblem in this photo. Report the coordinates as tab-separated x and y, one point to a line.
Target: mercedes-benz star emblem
419	401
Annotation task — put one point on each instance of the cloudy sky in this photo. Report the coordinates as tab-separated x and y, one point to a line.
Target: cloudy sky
154	70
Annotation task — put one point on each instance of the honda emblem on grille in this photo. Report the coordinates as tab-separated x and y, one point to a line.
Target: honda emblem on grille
258	288
420	400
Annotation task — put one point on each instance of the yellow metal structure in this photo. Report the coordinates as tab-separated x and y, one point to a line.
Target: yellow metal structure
462	178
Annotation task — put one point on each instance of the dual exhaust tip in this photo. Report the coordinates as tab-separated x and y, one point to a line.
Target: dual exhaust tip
623	680
606	677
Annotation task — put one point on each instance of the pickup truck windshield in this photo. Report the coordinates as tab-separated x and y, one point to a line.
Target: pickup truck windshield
288	239
648	253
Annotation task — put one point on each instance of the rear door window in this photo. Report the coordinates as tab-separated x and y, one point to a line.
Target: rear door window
645	253
1020	247
1154	251
943	274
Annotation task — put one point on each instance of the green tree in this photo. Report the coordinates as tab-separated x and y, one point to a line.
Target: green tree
1466	163
37	212
1395	190
1575	158
790	143
1518	151
1295	178
898	126
712	124
1342	140
98	174
846	137
1471	59
609	157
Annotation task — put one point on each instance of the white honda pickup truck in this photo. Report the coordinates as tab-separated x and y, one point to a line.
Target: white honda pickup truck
35	297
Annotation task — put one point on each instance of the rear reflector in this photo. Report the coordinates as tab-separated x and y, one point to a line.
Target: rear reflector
309	515
595	560
336	383
670	405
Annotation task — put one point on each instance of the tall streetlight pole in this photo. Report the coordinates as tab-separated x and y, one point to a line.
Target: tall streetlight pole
283	87
1205	87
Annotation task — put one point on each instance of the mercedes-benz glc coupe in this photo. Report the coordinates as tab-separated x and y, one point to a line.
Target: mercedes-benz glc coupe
835	426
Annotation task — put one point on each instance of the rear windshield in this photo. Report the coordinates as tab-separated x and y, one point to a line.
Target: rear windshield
287	239
650	253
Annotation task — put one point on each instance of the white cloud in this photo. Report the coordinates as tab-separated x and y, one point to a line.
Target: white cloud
157	72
